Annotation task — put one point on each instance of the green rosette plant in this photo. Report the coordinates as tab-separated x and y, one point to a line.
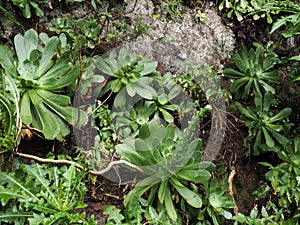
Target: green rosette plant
42	77
264	126
171	163
253	72
129	71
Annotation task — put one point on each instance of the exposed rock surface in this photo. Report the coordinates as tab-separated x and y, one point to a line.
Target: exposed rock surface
173	43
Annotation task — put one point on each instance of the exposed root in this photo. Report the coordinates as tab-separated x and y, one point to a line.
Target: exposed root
68	162
230	190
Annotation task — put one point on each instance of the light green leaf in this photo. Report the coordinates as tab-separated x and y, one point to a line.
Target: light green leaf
47	54
191	197
162	191
25	107
25	45
170	206
149	67
143	88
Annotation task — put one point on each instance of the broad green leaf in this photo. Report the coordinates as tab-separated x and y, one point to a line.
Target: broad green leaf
241	59
116	85
25	45
282	114
104	67
231	73
123	57
137	192
280	138
269	62
296	58
143	88
269	141
25	107
268	97
56	70
174	92
191	197
275	127
272	76
144	132
170	206
237	84
120	99
130	88
163	99
162	191
47	54
47	96
66	80
193	175
149	67
266	87
247	112
166	115
46	121
247	88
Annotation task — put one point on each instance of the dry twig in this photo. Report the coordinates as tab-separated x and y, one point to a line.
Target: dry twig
68	162
230	189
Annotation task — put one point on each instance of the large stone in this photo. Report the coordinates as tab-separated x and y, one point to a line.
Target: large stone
173	43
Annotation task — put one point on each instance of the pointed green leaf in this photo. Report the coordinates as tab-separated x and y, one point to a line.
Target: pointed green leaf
269	141
25	107
191	197
282	114
162	191
47	55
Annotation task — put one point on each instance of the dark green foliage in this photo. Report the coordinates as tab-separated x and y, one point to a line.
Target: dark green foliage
253	72
43	195
264	126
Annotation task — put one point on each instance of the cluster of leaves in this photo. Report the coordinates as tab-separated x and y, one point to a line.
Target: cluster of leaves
36	88
144	98
264	125
269	127
41	75
9	113
253	74
26	7
258	9
36	194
